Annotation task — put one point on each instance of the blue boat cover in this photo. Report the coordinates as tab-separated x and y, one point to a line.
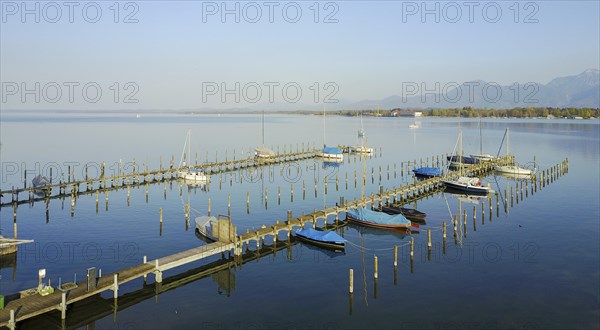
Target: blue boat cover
428	171
331	150
321	236
378	217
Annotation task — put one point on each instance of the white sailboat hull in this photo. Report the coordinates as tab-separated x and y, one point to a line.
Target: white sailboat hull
514	170
333	156
192	175
362	150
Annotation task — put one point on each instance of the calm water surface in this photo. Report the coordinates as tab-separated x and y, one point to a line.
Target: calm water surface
535	266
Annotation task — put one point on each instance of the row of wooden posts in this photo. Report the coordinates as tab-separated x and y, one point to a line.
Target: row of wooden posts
544	178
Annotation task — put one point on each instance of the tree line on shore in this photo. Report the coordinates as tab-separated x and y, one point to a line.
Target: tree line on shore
468	112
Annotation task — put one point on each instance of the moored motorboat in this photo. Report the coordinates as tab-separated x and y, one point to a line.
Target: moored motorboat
468	184
327	238
376	219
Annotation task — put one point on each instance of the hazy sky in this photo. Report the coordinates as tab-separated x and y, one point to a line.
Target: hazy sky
180	55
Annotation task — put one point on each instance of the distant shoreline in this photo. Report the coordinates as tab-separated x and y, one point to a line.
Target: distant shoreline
540	113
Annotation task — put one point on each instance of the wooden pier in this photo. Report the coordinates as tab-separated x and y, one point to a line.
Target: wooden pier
30	306
126	180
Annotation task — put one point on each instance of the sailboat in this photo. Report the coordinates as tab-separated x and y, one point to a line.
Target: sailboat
513	170
481	156
332	154
189	173
361	147
415	124
262	151
463	183
458	160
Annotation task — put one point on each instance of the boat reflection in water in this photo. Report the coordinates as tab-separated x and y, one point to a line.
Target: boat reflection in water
399	234
466	198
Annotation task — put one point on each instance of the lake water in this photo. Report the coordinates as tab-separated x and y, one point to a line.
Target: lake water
535	266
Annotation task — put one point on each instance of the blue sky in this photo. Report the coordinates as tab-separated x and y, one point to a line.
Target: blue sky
170	56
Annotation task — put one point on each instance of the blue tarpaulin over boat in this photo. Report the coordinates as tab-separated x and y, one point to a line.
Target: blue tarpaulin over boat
321	236
428	171
331	150
378	217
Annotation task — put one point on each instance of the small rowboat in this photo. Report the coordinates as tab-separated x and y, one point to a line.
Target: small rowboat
427	171
380	220
410	214
327	238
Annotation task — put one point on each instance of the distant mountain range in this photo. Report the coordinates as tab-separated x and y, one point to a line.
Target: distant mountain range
582	90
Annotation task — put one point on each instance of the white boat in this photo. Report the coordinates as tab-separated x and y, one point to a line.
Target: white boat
513	170
361	146
190	174
415	125
262	151
484	157
193	175
463	183
362	150
481	156
330	153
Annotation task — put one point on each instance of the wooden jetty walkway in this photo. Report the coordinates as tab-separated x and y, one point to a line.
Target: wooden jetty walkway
33	305
125	180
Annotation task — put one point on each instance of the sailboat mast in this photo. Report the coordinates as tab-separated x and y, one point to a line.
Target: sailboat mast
507	142
480	138
459	138
189	146
324	143
263	128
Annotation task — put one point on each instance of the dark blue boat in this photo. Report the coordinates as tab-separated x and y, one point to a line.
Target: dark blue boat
457	161
326	238
428	171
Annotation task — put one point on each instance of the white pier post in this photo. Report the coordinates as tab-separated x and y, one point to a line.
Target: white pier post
116	286
63	306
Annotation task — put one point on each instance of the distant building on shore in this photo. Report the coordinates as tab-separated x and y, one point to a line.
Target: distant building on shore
406	113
